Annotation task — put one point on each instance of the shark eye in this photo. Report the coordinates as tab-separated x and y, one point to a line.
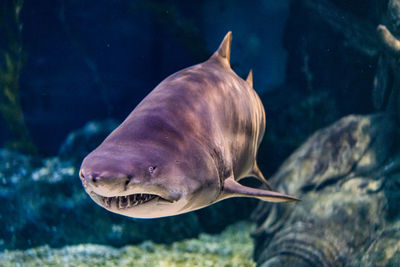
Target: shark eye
152	169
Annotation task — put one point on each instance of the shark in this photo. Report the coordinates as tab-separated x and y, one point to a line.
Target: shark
185	146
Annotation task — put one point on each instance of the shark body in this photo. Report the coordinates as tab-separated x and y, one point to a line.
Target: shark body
184	147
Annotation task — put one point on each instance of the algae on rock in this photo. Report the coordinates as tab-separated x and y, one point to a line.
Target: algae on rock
11	60
233	247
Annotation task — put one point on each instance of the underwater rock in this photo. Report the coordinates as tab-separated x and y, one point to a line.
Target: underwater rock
233	247
347	176
385	249
386	93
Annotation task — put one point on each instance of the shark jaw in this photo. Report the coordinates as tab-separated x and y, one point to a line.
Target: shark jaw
140	205
141	202
126	202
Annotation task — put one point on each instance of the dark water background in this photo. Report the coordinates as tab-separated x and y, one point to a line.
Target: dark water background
97	59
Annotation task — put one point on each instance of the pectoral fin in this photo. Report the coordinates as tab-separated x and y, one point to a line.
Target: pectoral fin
234	189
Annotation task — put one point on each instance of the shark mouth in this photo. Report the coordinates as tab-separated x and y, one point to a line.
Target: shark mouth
124	202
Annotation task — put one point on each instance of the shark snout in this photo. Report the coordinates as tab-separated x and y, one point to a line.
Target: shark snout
108	174
104	183
104	175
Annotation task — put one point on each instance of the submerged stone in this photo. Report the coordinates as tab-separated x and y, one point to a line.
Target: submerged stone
347	176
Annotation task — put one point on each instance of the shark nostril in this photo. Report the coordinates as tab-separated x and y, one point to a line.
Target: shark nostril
127	181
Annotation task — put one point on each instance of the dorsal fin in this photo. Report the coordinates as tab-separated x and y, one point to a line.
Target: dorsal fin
224	50
249	79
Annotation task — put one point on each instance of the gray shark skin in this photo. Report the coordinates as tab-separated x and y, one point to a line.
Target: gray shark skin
184	147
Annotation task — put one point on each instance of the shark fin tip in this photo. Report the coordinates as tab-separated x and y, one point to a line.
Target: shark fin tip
249	78
224	50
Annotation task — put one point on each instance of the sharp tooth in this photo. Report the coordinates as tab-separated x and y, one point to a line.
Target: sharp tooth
114	200
119	202
129	202
126	201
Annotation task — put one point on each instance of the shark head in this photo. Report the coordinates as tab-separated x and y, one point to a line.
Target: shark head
144	183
